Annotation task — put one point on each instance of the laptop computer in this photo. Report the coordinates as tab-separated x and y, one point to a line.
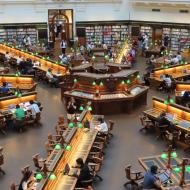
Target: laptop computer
70	171
164	176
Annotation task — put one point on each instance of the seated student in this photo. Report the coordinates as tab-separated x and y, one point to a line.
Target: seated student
168	80
146	79
163	121
19	113
71	109
34	108
179	56
175	60
7	56
151	181
18	60
5	89
102	127
185	98
25	180
84	172
36	64
51	78
64	59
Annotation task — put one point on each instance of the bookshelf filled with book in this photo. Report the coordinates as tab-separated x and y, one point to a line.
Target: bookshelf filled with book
108	34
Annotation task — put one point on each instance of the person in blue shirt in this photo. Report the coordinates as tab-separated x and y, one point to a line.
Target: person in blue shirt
151	181
5	89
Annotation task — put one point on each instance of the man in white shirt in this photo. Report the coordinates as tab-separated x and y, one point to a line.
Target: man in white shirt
179	56
168	80
175	60
7	56
18	60
102	127
51	78
36	64
63	46
34	108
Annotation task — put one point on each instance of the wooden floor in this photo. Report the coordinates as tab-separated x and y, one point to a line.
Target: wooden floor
127	145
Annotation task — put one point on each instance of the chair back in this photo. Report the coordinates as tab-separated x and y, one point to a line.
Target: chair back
38	117
1	159
35	159
142	120
13	186
111	124
128	172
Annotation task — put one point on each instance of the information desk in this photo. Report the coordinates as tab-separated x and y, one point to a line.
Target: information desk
81	141
23	82
108	93
57	69
147	162
176	114
181	87
177	72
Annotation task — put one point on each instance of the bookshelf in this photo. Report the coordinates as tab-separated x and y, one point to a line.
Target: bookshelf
108	34
148	30
8	34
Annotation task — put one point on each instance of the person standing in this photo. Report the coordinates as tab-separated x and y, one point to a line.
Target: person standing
63	46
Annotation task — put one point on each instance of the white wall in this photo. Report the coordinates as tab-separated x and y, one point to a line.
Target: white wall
34	12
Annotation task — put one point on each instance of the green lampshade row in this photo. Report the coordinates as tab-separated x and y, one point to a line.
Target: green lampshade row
39	176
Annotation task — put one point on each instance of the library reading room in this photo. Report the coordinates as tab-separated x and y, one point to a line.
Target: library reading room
94	95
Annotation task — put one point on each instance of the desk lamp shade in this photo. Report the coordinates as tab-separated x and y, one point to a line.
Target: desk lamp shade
52	177
39	176
171	100
80	125
164	155
81	108
89	108
128	81
162	53
138	76
187	168
174	154
75	80
165	102
57	146
94	83
71	124
101	84
177	169
122	82
19	95
68	147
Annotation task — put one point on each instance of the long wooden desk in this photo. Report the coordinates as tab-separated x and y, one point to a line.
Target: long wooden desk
147	162
23	82
181	87
81	141
177	72
180	114
57	69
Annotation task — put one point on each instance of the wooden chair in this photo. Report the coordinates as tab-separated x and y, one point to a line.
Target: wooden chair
111	125
187	142
95	165
146	123
1	161
2	125
172	137
160	131
25	169
13	186
133	177
36	161
48	148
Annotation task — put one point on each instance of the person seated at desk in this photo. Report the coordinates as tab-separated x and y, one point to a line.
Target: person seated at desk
19	113
175	60
164	123
151	181
36	64
71	109
34	108
185	98
179	56
64	59
25	181
19	60
5	89
84	172
51	78
7	56
166	83
102	127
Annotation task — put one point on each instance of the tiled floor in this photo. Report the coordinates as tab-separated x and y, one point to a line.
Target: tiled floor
127	145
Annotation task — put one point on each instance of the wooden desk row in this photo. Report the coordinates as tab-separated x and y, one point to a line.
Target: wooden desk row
181	87
177	72
57	69
23	82
180	114
81	141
